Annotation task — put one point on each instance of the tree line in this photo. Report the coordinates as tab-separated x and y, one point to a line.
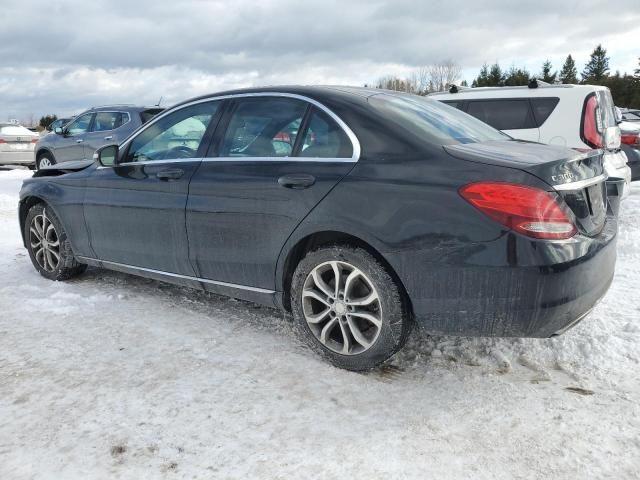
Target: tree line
625	88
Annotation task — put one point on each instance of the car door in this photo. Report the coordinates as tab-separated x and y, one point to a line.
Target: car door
103	131
71	145
511	115
135	211
274	158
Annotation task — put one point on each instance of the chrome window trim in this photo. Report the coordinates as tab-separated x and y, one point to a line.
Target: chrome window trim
580	184
355	143
177	275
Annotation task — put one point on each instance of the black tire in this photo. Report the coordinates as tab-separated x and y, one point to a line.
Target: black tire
41	157
394	313
67	266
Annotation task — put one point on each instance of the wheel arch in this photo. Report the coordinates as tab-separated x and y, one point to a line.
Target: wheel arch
323	238
25	205
43	150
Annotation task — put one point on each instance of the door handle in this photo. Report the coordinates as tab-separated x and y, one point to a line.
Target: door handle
171	174
79	140
109	137
297	181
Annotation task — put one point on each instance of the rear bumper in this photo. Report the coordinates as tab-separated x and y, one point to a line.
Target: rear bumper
17	158
542	289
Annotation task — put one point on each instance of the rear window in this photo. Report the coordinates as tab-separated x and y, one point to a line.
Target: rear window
433	120
503	114
148	114
543	107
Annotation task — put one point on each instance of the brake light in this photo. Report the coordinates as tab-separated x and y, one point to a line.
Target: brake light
630	139
34	140
526	210
592	123
2	140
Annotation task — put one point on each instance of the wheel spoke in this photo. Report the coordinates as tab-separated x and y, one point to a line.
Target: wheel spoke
367	316
327	329
38	225
357	334
346	338
308	293
338	277
318	317
320	283
368	300
35	233
348	283
48	261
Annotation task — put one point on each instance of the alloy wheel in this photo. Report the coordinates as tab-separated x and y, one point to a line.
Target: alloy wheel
44	242
342	307
44	162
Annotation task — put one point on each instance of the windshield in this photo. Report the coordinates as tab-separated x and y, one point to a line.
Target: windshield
434	121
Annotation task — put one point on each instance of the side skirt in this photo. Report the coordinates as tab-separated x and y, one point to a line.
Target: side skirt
262	296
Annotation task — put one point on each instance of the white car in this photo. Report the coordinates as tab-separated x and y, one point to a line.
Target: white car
575	116
16	144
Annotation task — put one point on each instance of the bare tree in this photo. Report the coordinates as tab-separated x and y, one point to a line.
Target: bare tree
443	74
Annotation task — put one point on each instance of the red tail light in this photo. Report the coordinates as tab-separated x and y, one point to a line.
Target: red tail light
591	123
630	139
527	210
34	140
2	140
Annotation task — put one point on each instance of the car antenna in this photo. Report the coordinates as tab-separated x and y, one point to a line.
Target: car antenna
159	102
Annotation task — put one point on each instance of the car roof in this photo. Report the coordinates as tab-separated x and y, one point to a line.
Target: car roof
315	92
541	90
120	107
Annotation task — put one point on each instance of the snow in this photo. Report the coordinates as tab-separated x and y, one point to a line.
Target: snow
113	376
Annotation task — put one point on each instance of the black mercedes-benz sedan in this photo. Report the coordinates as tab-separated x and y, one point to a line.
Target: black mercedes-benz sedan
360	211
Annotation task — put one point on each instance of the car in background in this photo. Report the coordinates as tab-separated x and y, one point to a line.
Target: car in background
630	138
60	122
383	210
16	144
581	117
630	115
89	131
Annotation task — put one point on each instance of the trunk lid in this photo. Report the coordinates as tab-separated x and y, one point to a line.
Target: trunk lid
577	177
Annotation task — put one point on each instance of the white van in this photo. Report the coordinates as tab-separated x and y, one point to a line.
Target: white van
575	116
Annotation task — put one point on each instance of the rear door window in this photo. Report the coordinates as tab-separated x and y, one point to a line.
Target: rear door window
507	114
324	138
109	121
263	127
543	107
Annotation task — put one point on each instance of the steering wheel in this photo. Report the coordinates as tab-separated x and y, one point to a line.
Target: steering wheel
181	151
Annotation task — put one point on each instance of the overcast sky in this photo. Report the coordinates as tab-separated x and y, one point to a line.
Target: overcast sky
62	56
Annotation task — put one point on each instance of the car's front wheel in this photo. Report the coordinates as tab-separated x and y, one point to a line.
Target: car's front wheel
45	160
48	245
348	307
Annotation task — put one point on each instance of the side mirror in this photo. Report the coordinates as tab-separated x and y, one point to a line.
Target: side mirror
58	130
107	156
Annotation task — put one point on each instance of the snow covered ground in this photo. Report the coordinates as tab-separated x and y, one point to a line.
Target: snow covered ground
113	376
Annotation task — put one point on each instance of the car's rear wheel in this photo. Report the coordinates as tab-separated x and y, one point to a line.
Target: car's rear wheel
48	245
45	160
348	307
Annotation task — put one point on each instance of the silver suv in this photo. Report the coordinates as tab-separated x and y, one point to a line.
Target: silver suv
89	131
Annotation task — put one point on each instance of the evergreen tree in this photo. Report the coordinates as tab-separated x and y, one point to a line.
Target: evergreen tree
597	68
516	77
495	76
569	72
546	74
464	83
483	77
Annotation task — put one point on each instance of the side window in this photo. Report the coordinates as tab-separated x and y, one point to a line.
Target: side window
542	108
108	121
176	136
324	138
508	114
263	127
80	125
